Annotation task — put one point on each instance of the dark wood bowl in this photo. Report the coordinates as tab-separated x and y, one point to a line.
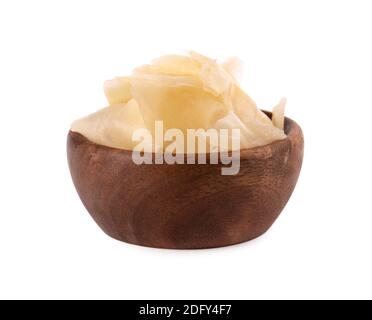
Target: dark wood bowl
185	206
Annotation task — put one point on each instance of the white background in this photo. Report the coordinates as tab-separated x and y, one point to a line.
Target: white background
54	57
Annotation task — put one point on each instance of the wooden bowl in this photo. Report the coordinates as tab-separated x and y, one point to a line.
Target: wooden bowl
185	206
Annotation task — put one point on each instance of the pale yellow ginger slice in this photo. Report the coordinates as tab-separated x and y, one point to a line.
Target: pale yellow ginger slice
278	114
232	121
171	65
258	128
252	133
118	90
246	109
209	79
244	106
165	80
234	66
112	126
214	77
180	102
262	134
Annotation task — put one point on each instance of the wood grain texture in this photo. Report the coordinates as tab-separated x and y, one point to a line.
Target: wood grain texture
185	206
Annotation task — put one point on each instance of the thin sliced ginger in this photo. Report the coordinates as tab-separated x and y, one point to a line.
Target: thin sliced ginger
185	92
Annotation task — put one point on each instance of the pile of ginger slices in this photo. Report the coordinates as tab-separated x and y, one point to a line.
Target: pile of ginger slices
185	92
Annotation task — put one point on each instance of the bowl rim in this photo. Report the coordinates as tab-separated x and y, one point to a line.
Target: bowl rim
291	129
